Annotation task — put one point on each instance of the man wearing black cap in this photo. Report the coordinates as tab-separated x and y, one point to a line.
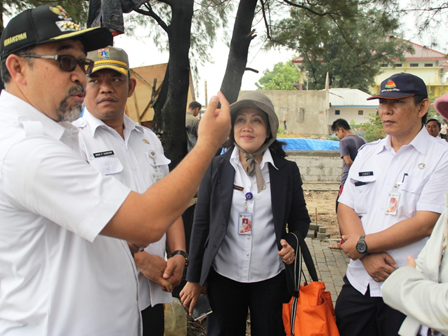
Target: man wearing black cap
60	272
390	203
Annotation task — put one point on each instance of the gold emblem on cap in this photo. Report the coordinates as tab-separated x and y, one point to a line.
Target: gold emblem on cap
59	11
421	165
146	141
67	25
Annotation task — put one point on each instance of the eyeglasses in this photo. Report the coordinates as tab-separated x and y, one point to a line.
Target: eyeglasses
68	62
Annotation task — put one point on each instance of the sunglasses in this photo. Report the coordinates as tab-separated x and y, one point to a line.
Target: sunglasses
68	62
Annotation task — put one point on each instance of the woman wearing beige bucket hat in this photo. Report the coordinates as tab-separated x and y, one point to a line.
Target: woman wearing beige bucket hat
239	246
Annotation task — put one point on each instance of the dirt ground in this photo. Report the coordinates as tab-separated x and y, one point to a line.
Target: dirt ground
321	205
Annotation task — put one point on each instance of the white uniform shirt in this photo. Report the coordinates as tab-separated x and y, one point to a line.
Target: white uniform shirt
129	161
250	258
57	275
421	167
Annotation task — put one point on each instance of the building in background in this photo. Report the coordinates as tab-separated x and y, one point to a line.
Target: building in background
428	64
350	104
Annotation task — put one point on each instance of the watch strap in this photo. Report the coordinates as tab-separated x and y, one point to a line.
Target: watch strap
183	254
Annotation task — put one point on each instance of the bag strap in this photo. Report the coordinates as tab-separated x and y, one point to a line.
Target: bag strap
302	252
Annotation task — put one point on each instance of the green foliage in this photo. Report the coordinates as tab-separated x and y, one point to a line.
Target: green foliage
281	132
351	47
78	10
282	76
373	129
208	18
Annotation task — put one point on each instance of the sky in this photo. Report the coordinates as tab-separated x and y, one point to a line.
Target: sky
142	51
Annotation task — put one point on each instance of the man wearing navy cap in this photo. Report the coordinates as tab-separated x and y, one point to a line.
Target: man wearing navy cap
62	272
390	203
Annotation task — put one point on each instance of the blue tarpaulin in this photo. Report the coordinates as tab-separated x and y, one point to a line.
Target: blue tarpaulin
309	144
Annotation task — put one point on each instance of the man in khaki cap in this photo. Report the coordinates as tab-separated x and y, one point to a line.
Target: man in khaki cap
133	155
61	271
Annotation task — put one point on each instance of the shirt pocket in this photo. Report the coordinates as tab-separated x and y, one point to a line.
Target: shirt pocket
410	191
364	189
107	165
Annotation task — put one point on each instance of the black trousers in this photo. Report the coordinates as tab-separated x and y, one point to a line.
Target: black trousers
362	315
230	300
153	319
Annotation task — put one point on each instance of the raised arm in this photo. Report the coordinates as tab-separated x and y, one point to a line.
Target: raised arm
143	219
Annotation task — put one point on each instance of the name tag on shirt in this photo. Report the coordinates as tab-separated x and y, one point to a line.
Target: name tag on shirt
101	154
366	173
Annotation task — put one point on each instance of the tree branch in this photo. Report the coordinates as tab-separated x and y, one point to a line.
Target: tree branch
306	8
268	31
152	14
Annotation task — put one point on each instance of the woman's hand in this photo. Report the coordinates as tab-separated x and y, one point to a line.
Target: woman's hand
190	294
286	253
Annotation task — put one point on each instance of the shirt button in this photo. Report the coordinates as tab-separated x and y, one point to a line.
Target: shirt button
107	167
247	254
248	238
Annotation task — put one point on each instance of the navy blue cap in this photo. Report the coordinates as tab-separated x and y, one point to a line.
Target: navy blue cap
401	85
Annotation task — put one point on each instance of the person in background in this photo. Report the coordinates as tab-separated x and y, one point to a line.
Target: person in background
116	146
420	288
392	198
349	144
239	246
433	126
191	123
63	269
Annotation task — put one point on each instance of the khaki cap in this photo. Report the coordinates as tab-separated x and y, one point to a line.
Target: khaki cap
110	58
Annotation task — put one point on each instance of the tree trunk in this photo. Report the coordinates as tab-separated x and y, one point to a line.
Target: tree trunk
174	135
239	49
157	121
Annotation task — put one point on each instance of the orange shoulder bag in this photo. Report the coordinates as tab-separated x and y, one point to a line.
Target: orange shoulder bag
310	311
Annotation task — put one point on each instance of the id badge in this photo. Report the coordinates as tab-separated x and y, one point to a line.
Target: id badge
392	203
157	176
245	223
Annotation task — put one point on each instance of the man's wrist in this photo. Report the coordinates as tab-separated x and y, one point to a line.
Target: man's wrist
361	246
181	253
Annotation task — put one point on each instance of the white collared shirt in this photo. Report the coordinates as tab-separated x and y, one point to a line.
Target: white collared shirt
57	275
250	258
421	169
130	161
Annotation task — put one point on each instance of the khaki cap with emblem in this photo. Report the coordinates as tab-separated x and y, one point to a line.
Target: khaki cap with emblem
45	24
110	58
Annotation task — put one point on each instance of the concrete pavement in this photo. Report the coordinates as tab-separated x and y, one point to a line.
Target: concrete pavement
330	264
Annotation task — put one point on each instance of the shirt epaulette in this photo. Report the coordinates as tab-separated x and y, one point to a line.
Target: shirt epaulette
369	143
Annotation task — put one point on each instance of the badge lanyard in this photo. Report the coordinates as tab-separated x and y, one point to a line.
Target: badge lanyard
245	217
157	175
394	198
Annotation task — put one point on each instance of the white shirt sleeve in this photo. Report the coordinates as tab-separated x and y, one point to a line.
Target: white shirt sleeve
47	178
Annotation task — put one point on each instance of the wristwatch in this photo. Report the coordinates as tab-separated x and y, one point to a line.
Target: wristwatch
361	245
183	254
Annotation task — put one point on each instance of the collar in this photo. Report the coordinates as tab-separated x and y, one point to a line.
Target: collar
25	110
96	123
267	158
420	142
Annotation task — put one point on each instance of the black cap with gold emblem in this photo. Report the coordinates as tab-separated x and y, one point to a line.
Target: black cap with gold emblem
49	23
